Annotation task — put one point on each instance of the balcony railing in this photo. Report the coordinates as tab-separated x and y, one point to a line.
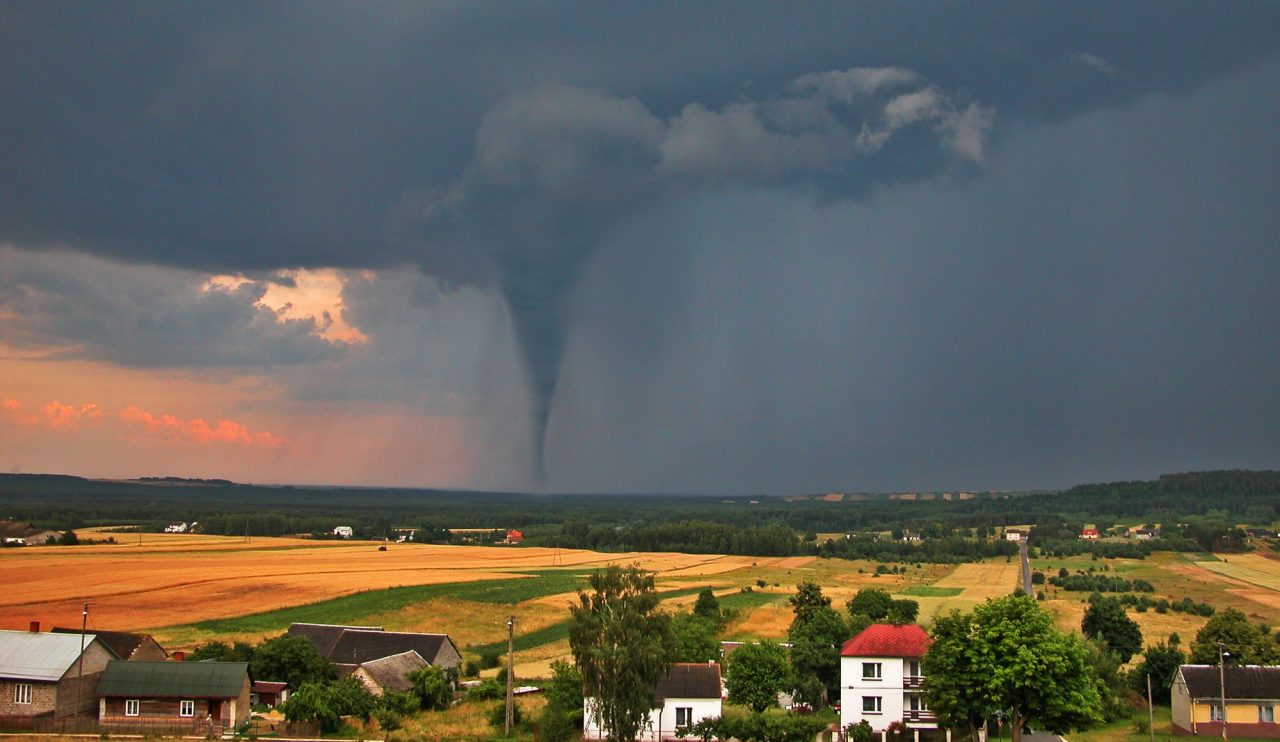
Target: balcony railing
923	716
912	681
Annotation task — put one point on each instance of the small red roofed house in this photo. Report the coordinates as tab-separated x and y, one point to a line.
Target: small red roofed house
880	678
514	537
1089	533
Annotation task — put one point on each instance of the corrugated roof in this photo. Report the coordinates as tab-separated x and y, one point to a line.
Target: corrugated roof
324	636
392	673
888	640
134	679
1247	682
357	646
121	643
27	655
690	680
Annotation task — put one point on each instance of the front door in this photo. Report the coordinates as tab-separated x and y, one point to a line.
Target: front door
215	710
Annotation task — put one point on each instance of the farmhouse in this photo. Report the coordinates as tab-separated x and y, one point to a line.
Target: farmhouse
40	674
688	694
1016	534
514	537
268	693
1252	691
16	533
348	647
203	698
880	678
1090	533
344	531
124	645
176	528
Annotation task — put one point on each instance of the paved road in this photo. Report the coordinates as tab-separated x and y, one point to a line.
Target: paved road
1026	569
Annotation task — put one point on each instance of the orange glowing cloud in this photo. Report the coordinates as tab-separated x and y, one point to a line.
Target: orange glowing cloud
197	430
61	417
55	415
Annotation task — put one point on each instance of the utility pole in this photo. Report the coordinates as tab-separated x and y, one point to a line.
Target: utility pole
1223	654
1151	711
84	624
511	644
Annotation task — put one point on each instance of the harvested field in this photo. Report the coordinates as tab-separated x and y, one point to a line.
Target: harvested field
1251	568
185	579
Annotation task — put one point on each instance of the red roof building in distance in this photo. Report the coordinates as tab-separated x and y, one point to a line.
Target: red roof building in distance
1089	533
888	640
514	537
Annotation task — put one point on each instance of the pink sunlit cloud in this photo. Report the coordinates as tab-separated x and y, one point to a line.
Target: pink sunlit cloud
60	417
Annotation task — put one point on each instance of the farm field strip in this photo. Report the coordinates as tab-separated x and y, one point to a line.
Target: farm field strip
1250	568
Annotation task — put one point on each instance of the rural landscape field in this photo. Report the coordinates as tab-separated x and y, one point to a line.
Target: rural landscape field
186	589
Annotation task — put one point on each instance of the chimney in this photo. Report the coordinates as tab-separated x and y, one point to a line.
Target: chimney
35	627
179	656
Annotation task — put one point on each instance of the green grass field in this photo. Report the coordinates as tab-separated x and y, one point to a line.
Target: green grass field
349	609
928	591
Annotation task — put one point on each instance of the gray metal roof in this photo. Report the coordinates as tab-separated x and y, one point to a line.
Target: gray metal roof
27	655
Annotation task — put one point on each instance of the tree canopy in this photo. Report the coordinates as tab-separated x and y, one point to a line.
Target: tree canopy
1007	656
816	633
1105	618
1245	642
872	602
291	659
622	645
757	673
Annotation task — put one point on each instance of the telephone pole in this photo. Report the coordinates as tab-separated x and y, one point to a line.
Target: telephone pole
84	624
511	644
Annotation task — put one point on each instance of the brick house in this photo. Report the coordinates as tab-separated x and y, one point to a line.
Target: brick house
205	698
40	674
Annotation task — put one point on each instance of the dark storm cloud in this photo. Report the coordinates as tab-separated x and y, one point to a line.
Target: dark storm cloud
503	145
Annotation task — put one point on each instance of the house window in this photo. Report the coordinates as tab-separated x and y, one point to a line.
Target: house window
131	707
684	716
871	704
870	670
1215	712
913	668
916	703
22	693
1266	714
186	708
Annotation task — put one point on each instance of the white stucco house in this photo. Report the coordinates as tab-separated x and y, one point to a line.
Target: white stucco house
690	693
343	532
881	680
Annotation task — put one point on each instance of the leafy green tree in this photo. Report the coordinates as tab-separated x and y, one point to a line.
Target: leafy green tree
1112	684
327	703
872	602
903	611
1246	642
707	606
291	659
860	732
431	687
695	638
807	599
561	718
1161	662
1105	618
757	673
1008	656
222	652
816	636
622	645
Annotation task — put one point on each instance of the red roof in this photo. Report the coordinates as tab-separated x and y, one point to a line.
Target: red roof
887	640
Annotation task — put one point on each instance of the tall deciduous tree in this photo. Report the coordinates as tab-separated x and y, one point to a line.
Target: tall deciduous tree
1160	661
695	638
1246	642
872	602
1106	618
816	634
623	645
1007	656
708	606
757	673
291	659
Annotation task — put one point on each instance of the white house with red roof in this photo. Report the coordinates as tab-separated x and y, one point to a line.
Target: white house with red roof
881	680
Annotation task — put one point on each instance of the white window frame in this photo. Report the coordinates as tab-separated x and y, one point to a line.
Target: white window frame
915	702
877	705
913	669
1215	712
186	708
872	671
132	707
22	693
1266	714
687	713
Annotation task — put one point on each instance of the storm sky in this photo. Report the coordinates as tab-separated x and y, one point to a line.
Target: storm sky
648	247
